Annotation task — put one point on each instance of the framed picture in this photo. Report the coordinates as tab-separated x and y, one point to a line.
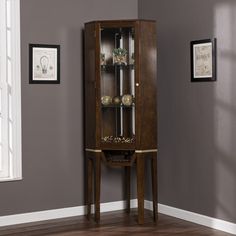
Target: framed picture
44	64
203	60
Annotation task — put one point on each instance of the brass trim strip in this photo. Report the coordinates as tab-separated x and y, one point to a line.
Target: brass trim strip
144	151
92	150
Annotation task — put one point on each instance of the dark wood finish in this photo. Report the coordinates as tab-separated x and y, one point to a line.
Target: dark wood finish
127	179
114	223
89	186
127	162
140	186
97	186
100	121
147	94
145	76
97	87
140	159
154	184
90	92
127	187
118	146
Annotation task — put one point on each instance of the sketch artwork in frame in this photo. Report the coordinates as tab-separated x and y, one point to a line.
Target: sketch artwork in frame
203	60
44	67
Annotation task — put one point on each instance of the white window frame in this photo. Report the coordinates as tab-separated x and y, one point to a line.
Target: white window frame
10	92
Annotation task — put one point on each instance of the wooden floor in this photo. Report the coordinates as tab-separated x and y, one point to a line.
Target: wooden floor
112	223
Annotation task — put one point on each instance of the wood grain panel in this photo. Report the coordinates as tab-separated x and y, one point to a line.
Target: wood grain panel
90	92
148	85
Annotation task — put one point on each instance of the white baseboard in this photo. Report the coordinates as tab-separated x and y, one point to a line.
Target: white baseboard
114	206
41	216
60	213
194	217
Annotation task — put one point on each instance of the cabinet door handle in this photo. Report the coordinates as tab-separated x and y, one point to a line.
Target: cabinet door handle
137	84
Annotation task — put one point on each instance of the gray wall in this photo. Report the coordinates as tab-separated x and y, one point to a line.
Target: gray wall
53	161
197	121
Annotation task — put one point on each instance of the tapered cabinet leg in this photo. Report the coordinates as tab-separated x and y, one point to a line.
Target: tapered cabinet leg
127	188
140	186
154	185
89	186
97	186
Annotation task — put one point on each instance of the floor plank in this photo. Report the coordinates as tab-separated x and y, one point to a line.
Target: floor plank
112	223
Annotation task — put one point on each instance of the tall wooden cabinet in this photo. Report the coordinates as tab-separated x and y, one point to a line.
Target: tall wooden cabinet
120	104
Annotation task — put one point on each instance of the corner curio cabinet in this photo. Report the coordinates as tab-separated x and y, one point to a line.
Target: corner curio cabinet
120	104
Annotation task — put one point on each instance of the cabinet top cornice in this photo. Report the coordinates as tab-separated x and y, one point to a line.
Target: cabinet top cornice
120	21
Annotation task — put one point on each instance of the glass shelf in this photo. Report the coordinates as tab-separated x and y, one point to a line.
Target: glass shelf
111	66
118	106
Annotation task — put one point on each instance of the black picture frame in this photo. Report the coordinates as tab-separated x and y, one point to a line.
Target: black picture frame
203	65
38	72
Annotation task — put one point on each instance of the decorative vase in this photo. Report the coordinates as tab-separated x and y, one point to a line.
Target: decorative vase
120	56
120	59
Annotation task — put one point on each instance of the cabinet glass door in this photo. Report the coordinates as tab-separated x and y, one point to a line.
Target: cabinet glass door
117	85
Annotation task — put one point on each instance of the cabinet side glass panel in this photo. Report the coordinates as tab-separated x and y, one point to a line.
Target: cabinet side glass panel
117	85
